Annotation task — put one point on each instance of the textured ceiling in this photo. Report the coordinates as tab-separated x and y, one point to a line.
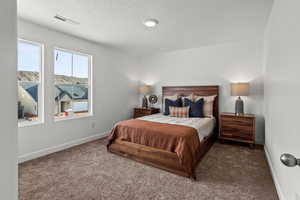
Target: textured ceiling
182	23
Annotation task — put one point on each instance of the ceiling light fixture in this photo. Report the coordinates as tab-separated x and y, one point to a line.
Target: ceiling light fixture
65	19
151	23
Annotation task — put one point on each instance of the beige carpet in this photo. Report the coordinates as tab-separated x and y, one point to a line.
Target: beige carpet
88	172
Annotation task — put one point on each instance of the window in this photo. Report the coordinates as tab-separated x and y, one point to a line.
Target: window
72	75
30	82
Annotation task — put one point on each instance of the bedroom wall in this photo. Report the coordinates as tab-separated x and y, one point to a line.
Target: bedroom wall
282	50
8	88
217	64
115	93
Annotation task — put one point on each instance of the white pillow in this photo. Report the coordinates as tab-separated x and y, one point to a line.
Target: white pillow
190	97
208	106
173	98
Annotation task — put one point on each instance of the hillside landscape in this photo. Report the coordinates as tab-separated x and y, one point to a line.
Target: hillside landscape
28	76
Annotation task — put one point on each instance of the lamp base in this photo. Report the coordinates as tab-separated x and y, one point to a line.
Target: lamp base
239	106
145	102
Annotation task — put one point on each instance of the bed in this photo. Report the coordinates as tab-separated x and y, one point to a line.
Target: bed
173	144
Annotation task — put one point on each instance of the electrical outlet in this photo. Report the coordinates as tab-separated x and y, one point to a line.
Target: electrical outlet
94	125
297	196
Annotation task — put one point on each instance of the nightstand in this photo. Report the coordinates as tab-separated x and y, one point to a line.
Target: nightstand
240	128
140	112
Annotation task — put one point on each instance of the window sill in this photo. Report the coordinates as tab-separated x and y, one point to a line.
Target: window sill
58	119
29	123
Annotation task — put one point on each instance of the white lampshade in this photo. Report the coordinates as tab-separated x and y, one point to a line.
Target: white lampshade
145	89
239	89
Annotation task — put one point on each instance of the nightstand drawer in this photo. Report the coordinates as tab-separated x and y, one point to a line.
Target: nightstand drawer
247	132
137	115
236	128
237	121
236	135
141	112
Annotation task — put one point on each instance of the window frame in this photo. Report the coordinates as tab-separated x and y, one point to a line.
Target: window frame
41	89
90	83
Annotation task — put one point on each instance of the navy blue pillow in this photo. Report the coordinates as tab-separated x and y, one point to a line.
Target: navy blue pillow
196	108
168	103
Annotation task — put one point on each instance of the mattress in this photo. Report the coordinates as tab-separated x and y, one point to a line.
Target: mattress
204	126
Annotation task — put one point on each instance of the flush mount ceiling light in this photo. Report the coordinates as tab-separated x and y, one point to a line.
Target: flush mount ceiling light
65	19
150	23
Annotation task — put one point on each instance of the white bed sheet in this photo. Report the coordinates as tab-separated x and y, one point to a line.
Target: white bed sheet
204	126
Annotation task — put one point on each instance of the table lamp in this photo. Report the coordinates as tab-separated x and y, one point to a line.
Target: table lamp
239	89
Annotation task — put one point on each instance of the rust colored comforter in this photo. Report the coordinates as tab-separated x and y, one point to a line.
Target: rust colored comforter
182	140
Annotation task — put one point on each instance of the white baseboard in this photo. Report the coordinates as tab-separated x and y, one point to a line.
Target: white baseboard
43	152
275	178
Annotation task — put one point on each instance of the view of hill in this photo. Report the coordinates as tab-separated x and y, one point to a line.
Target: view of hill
28	76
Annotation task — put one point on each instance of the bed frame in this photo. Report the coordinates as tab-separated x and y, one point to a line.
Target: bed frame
164	159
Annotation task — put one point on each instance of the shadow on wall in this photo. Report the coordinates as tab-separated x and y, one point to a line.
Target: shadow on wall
128	96
257	95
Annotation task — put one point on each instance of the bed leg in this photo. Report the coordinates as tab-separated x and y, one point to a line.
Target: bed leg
193	177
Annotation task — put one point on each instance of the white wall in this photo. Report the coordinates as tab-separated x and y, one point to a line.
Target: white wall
282	94
217	64
114	92
8	88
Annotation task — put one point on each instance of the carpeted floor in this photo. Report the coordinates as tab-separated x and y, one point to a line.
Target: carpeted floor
89	172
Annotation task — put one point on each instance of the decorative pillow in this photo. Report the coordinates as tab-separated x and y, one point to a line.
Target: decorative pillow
208	107
179	111
173	98
196	108
168	103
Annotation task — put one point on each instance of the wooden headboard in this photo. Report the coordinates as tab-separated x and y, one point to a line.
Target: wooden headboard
197	90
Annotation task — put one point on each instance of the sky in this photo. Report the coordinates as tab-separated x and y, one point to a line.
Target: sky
29	59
